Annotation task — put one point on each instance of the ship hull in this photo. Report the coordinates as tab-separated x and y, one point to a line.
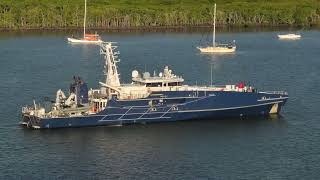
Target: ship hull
217	49
188	106
73	40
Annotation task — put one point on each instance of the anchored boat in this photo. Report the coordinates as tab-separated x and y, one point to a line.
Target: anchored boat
217	47
87	38
158	98
289	36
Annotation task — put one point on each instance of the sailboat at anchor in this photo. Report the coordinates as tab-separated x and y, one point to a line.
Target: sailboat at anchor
217	47
87	38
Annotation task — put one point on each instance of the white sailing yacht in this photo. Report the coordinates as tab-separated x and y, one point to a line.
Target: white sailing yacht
217	48
87	38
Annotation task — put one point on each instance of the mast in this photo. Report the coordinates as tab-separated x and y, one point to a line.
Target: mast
111	60
214	26
84	18
211	74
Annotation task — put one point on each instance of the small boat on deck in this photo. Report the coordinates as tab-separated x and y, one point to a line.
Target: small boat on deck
87	38
289	36
216	47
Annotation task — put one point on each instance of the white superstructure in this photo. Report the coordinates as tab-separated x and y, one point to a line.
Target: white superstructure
143	83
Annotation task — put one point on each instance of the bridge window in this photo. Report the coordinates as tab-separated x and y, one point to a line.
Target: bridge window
154	84
175	84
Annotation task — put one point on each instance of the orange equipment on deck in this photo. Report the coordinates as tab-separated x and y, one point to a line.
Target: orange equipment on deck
91	37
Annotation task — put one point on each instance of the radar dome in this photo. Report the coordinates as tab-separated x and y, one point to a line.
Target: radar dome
146	75
135	74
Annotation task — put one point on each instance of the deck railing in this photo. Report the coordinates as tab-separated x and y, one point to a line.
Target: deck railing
276	92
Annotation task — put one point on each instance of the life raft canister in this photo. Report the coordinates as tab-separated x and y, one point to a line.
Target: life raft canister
93	109
241	85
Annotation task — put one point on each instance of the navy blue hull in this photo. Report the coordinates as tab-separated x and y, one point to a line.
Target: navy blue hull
172	106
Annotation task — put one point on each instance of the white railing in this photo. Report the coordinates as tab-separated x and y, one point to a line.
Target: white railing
275	92
26	109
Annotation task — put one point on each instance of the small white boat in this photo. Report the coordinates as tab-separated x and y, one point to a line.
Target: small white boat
87	38
289	36
217	48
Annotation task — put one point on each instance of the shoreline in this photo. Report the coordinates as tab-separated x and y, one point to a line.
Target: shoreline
199	28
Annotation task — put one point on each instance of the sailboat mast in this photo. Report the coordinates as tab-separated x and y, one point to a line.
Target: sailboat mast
214	26
84	19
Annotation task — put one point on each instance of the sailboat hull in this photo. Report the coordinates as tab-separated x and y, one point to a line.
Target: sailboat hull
74	40
217	49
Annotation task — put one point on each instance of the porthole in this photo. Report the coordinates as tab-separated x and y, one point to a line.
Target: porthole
174	108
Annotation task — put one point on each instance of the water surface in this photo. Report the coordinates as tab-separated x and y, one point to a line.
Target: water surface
35	65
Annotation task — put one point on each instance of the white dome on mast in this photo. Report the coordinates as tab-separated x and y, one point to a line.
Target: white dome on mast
135	74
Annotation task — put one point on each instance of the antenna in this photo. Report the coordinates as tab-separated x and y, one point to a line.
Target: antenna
211	74
214	26
35	105
84	18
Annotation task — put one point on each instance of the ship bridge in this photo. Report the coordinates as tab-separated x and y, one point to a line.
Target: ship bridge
164	79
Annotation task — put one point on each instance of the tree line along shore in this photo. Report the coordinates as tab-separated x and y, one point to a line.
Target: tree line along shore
57	14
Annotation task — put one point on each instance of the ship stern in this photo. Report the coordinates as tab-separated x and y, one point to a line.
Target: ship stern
31	117
30	121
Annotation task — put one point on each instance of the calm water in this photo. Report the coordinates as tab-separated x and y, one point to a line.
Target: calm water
36	65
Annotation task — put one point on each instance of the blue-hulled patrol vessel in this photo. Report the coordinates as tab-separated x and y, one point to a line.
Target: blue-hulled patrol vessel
158	98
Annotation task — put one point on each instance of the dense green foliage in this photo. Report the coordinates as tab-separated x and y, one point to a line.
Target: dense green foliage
145	13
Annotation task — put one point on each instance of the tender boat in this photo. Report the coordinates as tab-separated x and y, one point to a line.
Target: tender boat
216	47
159	98
289	36
87	38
